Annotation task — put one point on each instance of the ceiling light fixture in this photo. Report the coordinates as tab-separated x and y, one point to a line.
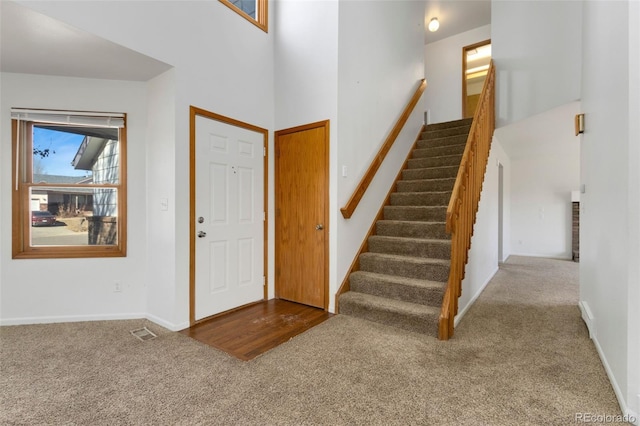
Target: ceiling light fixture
434	25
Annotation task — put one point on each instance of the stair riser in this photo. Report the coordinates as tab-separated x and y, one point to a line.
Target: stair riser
401	281
425	185
406	293
447	172
443	133
420	198
434	214
424	324
423	163
424	249
412	229
436	151
451	140
403	267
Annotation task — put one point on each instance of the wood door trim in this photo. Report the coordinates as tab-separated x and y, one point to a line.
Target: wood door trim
193	113
318	124
464	72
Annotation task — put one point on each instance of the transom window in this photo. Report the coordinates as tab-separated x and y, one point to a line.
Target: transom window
69	184
255	11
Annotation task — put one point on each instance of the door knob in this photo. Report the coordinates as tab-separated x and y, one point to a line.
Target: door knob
202	234
319	227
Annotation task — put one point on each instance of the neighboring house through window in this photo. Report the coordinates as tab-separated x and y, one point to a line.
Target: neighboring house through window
69	188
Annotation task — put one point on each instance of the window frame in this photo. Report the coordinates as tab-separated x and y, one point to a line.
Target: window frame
262	12
22	182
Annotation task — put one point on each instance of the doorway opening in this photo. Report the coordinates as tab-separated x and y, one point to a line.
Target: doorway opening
475	65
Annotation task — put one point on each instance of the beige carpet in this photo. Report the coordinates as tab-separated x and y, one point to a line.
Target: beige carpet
521	356
402	276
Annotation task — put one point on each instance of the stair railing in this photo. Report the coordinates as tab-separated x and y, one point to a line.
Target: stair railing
357	195
463	205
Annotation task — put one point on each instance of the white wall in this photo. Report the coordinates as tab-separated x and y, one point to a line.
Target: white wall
633	298
161	170
443	70
306	80
380	63
545	162
537	51
609	230
46	290
483	255
230	76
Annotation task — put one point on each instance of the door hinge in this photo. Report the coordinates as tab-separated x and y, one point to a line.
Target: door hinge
264	281
264	151
264	216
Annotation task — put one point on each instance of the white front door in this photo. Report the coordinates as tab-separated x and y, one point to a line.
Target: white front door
229	207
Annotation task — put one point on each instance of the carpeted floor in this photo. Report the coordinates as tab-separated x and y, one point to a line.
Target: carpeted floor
521	356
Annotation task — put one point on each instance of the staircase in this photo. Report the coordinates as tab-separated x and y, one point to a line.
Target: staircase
403	275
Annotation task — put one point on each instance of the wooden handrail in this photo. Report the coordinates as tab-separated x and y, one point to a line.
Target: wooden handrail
351	205
463	205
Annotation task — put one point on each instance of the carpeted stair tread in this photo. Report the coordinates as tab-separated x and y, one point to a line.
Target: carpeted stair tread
402	276
412	229
448	124
415	247
444	141
405	266
396	313
423	292
440	198
430	173
443	160
425	185
458	142
441	133
424	213
429	151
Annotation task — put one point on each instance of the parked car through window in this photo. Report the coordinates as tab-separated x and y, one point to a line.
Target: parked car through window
42	218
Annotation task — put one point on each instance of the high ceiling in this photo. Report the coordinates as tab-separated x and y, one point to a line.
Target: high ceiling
32	43
456	16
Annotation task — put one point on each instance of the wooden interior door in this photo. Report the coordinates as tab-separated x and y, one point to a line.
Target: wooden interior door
301	207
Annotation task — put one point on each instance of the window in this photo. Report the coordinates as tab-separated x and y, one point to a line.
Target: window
69	184
254	11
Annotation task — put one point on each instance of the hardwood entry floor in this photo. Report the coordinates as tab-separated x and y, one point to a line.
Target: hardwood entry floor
253	330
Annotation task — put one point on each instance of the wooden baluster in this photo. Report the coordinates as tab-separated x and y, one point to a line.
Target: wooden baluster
462	211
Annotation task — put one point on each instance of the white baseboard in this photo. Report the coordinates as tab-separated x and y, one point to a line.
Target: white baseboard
85	318
72	318
545	256
464	310
587	317
166	324
590	321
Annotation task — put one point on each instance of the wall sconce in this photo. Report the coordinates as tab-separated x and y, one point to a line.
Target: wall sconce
579	124
434	25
